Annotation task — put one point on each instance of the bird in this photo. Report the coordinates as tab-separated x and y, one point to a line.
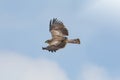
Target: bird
59	34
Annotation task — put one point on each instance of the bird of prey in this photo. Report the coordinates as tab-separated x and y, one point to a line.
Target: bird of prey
59	36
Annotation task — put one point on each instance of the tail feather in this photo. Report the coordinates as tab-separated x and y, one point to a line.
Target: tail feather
74	41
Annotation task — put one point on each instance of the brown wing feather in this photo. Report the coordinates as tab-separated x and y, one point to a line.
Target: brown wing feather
57	28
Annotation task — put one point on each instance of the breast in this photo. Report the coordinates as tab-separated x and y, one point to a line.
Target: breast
54	42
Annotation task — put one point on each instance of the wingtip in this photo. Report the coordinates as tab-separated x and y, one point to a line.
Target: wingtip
44	48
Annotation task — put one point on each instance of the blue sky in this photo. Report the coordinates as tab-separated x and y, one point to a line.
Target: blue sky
24	27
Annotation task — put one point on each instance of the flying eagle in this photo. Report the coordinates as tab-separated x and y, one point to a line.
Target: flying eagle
59	36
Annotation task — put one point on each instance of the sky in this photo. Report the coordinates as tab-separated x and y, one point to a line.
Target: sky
24	26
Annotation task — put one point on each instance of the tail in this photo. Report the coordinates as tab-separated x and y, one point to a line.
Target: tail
74	41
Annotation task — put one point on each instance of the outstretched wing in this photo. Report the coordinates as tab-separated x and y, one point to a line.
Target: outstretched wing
58	32
57	28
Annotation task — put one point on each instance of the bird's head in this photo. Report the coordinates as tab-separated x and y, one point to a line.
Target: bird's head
65	38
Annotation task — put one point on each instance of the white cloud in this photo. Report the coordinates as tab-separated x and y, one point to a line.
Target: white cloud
102	13
16	67
107	8
109	4
99	15
94	72
98	6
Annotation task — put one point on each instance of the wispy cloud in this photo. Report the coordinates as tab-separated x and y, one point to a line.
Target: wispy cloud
97	15
95	72
16	67
102	13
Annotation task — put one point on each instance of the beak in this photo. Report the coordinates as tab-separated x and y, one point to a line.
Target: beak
45	41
